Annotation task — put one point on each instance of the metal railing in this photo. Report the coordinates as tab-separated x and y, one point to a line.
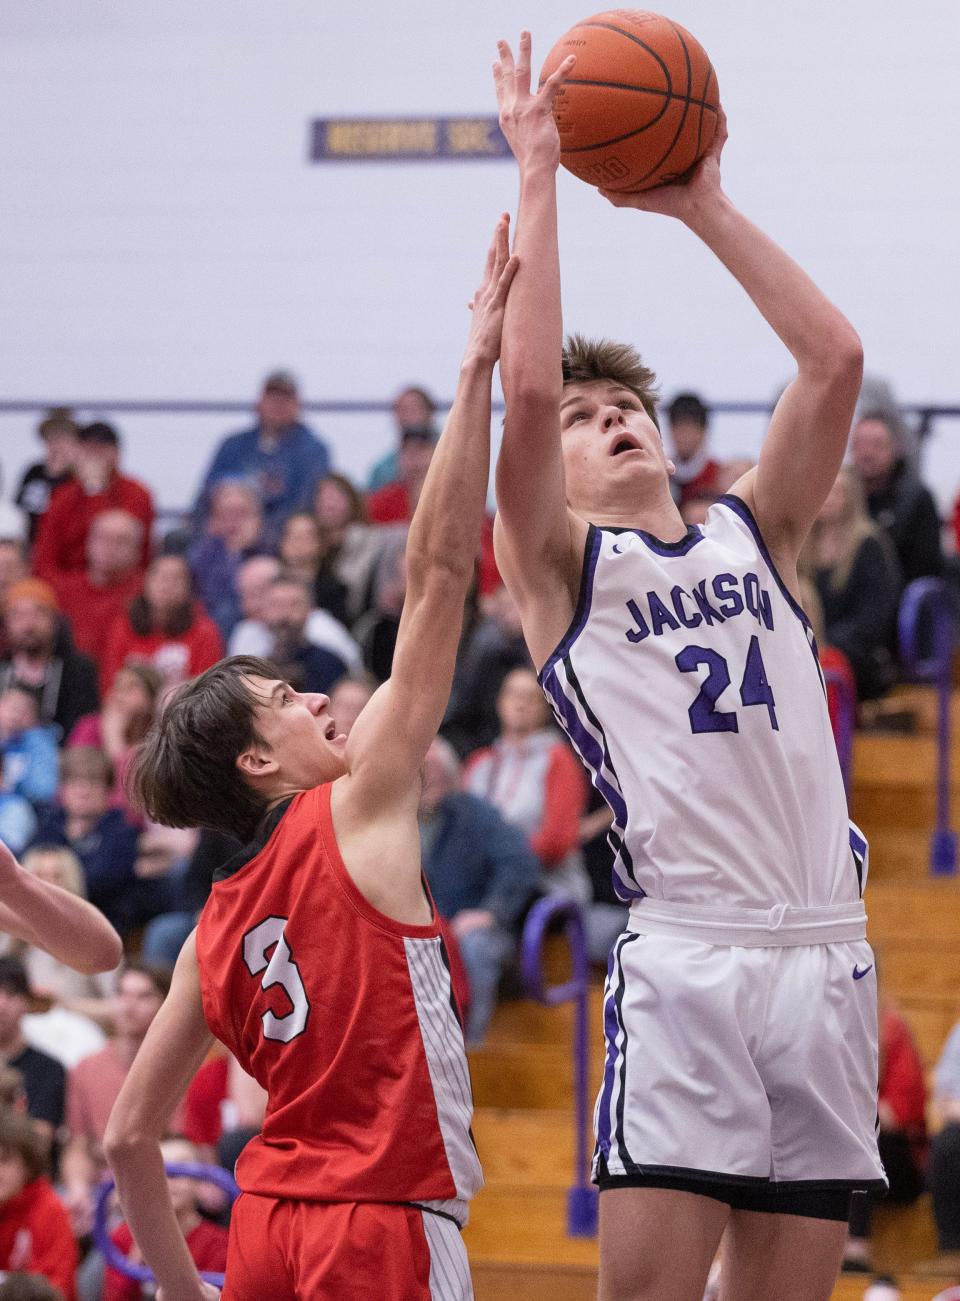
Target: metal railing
582	1196
927	635
211	1174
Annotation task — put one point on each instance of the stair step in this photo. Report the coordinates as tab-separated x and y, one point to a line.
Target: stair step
527	1148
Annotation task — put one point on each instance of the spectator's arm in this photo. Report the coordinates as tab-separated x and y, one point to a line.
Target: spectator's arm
566	799
55	920
511	865
175	1046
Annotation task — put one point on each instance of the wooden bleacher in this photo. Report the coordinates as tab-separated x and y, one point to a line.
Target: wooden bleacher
523	1082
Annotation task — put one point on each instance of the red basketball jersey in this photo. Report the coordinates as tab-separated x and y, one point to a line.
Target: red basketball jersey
345	1017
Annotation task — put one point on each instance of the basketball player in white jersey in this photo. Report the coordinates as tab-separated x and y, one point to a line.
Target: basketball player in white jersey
739	1090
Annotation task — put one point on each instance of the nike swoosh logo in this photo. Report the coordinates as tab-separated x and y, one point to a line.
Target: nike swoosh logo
858	974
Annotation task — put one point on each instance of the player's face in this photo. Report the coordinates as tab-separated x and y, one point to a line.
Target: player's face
301	733
611	447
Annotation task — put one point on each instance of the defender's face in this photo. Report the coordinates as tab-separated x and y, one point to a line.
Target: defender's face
302	734
609	444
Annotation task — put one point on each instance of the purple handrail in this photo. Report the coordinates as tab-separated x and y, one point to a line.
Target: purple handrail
927	637
211	1174
581	1197
846	717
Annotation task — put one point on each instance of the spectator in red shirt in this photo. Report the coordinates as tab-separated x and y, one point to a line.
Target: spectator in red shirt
163	626
35	1234
207	1242
122	723
97	486
696	473
902	1112
92	598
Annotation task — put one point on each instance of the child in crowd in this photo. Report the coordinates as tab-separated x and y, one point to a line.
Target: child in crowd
29	751
35	1233
207	1242
101	837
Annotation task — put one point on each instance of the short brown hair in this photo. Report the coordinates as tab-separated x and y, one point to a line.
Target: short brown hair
17	1135
87	763
587	360
158	976
184	773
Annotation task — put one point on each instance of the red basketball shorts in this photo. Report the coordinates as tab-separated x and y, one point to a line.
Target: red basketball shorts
343	1251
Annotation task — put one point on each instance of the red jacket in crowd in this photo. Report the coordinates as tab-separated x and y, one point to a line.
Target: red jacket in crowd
176	658
36	1237
89	610
207	1244
62	537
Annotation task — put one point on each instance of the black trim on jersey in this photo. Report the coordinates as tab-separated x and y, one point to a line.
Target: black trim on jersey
824	1203
428	1210
621	1135
268	825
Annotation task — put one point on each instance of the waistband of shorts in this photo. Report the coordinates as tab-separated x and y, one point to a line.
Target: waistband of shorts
779	926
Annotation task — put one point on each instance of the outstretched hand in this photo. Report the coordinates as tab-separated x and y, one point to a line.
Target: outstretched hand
490	300
527	119
681	198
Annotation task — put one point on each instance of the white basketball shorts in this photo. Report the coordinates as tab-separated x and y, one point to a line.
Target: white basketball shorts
741	1057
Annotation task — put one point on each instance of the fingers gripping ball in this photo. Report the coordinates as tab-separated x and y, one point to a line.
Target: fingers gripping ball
640	106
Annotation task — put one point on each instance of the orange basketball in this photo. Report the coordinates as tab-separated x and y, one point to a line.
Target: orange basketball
640	105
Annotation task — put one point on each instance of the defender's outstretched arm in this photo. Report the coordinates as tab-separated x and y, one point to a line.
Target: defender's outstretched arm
68	928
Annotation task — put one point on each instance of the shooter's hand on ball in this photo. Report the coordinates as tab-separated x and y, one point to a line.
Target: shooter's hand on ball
681	199
488	303
526	119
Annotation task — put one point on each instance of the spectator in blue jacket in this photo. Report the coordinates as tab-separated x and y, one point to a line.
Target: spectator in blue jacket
481	872
280	457
29	751
101	837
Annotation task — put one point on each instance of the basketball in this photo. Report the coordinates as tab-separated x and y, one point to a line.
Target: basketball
640	106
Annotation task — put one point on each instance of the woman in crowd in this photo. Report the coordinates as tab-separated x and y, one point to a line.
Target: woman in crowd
349	548
164	626
122	723
856	577
35	1232
234	531
533	778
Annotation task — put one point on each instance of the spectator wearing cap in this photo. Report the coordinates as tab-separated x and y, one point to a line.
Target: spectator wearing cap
413	408
280	457
36	1241
896	499
91	598
697	473
95	486
58	430
41	659
44	1079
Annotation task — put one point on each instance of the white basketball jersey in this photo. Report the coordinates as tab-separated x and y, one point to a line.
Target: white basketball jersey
689	684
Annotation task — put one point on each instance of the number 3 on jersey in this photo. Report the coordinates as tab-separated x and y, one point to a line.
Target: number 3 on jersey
280	970
754	688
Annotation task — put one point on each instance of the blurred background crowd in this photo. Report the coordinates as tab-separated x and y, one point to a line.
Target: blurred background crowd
104	608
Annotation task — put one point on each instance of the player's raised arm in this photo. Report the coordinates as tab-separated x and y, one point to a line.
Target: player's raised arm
41	914
811	423
390	739
532	526
175	1045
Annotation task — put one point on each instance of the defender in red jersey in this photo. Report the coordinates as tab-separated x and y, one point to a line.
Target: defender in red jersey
318	959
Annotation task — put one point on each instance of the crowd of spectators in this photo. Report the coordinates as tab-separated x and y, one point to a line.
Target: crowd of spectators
103	610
